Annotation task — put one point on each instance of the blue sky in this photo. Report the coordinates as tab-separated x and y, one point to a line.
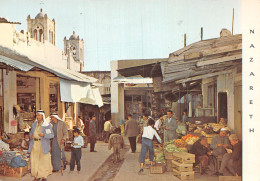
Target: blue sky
129	29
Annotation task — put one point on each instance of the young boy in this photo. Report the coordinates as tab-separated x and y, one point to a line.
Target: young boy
25	142
76	150
147	143
117	142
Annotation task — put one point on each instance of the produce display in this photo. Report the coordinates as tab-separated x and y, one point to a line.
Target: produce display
180	143
160	158
208	130
173	148
190	139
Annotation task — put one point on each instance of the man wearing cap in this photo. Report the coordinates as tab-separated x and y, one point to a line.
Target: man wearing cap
219	144
60	135
39	147
170	127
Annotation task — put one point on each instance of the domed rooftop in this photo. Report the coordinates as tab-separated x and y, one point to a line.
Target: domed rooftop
74	36
40	15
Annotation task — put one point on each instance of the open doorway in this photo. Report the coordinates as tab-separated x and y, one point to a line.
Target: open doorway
222	105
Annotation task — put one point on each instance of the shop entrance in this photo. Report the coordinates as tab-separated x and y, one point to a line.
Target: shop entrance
53	95
222	105
26	97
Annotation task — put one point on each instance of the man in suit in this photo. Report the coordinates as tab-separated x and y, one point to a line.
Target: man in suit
92	133
170	127
131	131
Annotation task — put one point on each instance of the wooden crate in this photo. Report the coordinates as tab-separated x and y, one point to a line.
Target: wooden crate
168	155
158	168
169	165
183	157
230	178
182	167
15	172
183	175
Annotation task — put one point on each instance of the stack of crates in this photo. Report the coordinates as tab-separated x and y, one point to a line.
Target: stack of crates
168	159
182	164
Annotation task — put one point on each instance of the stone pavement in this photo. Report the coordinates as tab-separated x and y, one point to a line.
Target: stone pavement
130	168
90	162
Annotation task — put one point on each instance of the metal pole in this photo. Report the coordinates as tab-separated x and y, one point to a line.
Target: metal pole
233	21
185	40
201	33
187	99
179	101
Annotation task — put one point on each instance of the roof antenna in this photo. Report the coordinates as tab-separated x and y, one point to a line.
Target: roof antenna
185	40
232	21
201	33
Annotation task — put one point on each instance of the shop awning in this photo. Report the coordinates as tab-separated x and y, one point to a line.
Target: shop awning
133	80
24	63
15	63
72	91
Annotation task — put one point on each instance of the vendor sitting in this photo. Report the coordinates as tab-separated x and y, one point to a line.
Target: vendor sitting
25	142
233	158
219	144
202	152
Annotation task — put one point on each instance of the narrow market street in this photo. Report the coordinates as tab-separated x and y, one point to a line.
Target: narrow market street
99	166
125	91
90	162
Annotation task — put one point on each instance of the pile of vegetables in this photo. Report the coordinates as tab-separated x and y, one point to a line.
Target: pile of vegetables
173	148
158	150
180	143
160	158
190	139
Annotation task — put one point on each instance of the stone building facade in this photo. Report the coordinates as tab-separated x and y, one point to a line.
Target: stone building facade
75	46
41	28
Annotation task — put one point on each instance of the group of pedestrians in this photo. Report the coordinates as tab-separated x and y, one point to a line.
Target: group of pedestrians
47	142
147	128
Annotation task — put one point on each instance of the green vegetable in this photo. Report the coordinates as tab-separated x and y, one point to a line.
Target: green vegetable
160	158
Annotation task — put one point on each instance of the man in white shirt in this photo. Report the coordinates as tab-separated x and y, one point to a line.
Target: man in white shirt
76	150
158	123
147	143
107	130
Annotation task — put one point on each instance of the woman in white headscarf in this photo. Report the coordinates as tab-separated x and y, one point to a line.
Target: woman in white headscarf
39	147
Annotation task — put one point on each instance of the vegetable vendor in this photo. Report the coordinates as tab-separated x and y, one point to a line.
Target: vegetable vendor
170	127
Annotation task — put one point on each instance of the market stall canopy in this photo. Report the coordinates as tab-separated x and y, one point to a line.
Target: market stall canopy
23	63
145	67
133	80
204	58
72	91
15	64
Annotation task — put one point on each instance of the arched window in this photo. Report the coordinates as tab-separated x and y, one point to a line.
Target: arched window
50	36
41	35
35	34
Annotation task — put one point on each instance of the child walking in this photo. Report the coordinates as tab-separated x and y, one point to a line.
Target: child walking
76	151
147	143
